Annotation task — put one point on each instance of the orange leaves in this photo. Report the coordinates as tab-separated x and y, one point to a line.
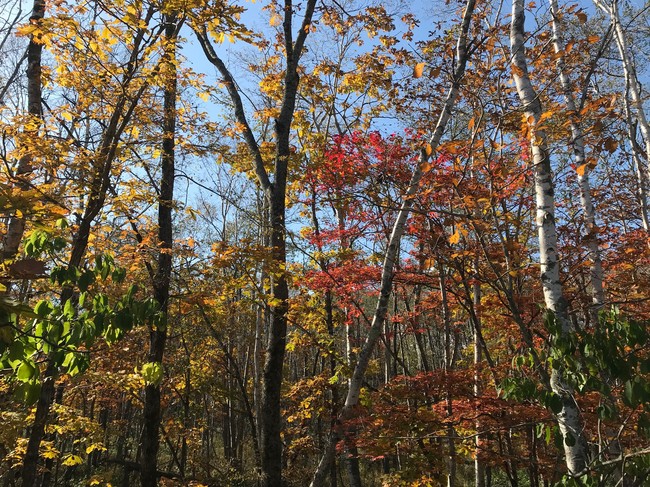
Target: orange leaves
418	70
455	238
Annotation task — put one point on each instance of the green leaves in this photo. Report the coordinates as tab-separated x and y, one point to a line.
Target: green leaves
152	373
65	331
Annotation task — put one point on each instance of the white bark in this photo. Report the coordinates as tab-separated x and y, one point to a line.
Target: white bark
392	252
629	71
641	176
577	142
569	422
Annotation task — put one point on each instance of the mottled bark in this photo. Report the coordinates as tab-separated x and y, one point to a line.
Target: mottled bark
575	447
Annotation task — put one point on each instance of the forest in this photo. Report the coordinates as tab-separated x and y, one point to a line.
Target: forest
324	243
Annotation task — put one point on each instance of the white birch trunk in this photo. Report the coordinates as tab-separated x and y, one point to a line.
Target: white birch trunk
569	422
392	252
578	144
629	70
641	175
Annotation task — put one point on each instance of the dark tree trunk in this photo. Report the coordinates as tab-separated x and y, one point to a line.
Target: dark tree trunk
10	247
16	228
161	281
45	399
270	419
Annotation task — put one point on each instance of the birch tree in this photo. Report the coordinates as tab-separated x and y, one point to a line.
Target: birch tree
575	447
583	170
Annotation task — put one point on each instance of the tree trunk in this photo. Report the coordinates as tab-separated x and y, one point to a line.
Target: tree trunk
270	415
578	144
632	83
161	281
103	163
575	447
16	228
448	365
479	468
12	241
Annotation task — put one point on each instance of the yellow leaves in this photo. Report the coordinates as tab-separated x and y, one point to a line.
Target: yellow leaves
66	116
581	170
271	84
220	37
275	20
546	115
418	70
49	452
204	95
95	447
72	460
455	238
36	32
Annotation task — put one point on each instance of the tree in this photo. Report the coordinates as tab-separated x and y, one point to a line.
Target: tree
162	278
354	388
275	192
575	445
